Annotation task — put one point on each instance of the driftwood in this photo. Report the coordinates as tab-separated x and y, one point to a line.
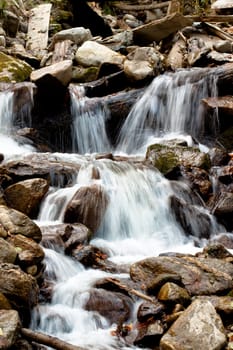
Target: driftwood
38	27
48	340
62	51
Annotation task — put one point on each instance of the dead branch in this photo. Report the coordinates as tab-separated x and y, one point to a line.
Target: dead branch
48	340
132	291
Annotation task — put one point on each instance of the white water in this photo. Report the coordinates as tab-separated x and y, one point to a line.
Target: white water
138	221
9	146
88	130
170	108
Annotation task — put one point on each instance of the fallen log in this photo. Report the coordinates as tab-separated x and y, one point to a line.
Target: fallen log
144	7
48	340
211	18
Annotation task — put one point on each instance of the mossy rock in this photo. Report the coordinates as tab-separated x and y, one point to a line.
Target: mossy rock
84	75
166	158
13	70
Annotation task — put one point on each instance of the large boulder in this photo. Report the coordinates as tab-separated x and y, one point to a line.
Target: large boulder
114	306
200	276
26	196
199	327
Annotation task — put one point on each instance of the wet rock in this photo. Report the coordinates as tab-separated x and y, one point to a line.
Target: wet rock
26	196
198	180
89	256
223	209
199	318
225	239
194	221
218	156
216	250
8	253
10	325
114	306
199	276
55	170
20	288
76	236
171	292
149	333
160	155
87	207
16	222
148	310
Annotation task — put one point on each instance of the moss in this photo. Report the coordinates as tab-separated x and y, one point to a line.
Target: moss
82	75
13	70
166	158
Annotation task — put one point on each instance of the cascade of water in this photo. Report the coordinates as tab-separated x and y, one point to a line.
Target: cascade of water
88	129
138	221
6	112
8	145
169	108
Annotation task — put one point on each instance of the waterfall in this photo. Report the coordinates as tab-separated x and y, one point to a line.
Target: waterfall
88	130
9	145
139	220
170	108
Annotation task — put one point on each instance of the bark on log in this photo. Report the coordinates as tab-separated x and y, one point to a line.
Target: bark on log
48	340
145	7
211	18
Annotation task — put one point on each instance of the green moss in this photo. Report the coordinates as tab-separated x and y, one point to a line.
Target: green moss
82	75
166	158
13	70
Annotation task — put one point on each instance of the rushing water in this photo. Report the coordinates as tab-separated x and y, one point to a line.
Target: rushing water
88	130
138	221
9	145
